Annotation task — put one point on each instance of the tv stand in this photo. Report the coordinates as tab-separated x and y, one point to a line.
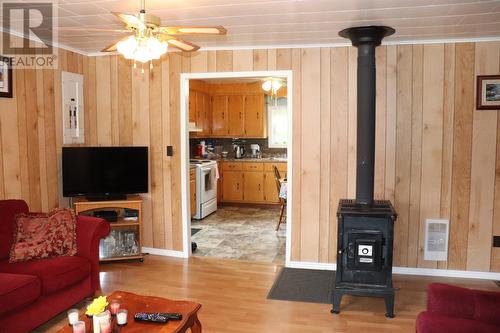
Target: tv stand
124	241
106	197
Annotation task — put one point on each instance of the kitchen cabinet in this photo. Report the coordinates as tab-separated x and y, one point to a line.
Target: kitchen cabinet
232	186
255	122
250	182
235	109
220	124
203	114
199	112
192	106
192	190
270	189
241	116
253	186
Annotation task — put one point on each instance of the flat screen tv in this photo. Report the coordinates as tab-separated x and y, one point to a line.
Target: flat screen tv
102	173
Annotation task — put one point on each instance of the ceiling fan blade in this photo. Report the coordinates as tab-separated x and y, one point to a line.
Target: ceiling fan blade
180	44
130	20
112	47
93	29
191	30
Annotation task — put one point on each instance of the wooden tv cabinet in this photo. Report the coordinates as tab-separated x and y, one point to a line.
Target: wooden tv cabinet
124	241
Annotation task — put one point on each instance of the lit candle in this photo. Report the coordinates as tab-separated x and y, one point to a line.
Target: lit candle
114	306
72	316
79	327
121	317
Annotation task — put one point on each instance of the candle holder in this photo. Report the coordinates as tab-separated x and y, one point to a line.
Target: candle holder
79	327
72	316
105	325
114	306
121	317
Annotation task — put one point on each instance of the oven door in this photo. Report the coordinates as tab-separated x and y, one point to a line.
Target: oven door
208	183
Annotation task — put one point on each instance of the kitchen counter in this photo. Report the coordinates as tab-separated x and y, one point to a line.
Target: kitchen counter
251	159
247	159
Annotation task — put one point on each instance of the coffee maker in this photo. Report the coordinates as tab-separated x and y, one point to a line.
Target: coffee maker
255	150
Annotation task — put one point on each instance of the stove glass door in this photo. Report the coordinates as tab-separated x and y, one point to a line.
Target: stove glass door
208	183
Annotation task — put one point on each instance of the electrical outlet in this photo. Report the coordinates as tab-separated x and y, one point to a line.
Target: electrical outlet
496	241
170	151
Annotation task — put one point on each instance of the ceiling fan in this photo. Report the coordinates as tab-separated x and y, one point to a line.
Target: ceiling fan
148	40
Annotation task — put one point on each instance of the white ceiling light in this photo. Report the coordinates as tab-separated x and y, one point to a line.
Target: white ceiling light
272	85
142	49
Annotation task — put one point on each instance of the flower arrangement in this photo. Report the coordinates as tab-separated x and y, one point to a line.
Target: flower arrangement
97	306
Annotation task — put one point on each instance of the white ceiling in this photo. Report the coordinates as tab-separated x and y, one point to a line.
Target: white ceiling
274	23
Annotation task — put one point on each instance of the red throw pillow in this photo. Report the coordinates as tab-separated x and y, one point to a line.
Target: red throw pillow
39	236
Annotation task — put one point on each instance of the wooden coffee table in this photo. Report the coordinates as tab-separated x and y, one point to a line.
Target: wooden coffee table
138	303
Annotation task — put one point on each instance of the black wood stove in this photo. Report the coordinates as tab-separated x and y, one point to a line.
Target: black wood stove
365	226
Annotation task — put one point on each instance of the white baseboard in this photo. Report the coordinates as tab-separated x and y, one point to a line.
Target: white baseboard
407	271
163	252
312	265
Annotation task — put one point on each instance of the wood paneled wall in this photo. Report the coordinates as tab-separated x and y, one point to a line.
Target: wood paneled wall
436	157
31	135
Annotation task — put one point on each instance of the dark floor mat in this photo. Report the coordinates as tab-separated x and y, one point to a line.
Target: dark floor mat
194	231
303	285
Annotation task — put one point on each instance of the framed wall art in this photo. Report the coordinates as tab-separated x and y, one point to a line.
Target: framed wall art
5	78
488	92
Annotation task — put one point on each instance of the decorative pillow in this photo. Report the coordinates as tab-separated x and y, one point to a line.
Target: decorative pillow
42	235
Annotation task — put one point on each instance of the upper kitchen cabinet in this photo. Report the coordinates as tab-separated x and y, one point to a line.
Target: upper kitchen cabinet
192	106
220	123
199	108
203	119
236	109
228	110
255	120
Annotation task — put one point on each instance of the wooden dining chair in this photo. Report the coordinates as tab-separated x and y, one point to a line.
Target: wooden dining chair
277	179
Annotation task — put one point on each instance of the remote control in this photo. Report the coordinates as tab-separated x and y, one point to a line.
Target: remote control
151	317
171	316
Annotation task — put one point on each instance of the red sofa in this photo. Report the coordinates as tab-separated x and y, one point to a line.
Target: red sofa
35	291
453	309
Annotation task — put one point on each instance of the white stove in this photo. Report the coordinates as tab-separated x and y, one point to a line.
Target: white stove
206	187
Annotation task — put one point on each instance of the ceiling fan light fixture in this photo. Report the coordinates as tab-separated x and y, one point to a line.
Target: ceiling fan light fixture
127	47
143	49
276	85
267	85
272	85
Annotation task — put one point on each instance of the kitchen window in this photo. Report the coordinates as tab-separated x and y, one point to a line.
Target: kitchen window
278	122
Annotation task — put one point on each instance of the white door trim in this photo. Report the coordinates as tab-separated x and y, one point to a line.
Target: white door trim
184	119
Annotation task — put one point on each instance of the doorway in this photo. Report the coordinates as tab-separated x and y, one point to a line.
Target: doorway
189	80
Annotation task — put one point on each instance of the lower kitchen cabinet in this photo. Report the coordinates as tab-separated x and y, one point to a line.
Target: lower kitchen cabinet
253	186
249	182
232	186
270	188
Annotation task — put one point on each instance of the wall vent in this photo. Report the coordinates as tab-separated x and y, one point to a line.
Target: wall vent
436	240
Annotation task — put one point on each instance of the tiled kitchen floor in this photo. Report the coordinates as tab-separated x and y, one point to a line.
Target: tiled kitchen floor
241	233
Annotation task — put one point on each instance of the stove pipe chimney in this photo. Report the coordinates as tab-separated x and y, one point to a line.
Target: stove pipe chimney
366	39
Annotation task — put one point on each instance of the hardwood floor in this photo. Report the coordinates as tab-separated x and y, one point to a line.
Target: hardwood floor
233	297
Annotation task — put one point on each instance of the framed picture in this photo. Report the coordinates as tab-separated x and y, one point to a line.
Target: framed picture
5	78
488	92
